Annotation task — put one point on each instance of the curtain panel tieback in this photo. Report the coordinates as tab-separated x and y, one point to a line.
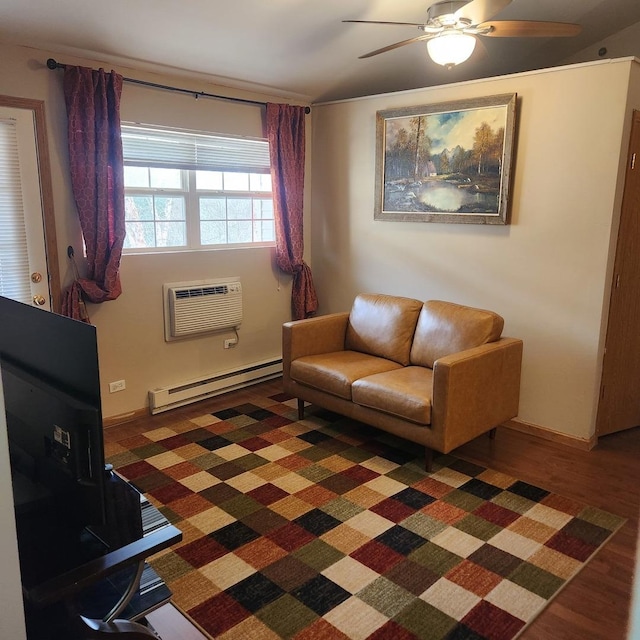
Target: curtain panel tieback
304	298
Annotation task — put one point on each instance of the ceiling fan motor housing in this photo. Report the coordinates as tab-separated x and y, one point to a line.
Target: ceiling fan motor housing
444	12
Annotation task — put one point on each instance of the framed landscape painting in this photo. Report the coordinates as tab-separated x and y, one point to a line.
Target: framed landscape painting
447	162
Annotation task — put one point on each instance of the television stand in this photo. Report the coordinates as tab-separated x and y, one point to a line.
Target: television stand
122	629
75	601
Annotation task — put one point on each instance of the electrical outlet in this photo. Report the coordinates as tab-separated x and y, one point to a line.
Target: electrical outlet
118	385
230	342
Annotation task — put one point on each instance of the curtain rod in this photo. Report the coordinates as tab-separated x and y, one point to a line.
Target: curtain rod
52	64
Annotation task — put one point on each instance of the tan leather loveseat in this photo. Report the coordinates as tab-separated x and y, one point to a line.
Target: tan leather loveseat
437	373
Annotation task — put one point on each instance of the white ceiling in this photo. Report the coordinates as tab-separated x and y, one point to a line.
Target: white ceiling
298	48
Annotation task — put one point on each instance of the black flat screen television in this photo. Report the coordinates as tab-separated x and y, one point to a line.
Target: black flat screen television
51	386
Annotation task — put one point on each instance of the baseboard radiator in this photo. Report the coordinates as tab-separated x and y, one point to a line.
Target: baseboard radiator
166	398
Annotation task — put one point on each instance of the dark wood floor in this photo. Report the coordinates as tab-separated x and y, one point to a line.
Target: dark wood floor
595	605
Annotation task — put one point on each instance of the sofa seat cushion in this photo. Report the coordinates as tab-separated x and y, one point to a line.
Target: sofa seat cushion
405	393
335	372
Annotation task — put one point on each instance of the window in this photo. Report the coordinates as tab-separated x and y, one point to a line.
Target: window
187	190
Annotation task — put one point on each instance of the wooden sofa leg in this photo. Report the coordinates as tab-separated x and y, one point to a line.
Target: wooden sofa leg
492	433
300	409
428	458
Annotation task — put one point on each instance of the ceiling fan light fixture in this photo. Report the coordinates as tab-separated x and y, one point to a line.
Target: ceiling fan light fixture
451	48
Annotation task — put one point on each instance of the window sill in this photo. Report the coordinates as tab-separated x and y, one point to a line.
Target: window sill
171	250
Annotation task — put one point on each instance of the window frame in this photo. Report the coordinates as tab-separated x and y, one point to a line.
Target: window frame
192	195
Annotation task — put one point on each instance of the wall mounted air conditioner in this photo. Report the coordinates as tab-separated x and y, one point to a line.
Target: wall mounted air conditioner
201	306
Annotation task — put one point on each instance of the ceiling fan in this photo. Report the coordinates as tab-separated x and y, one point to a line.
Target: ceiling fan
452	26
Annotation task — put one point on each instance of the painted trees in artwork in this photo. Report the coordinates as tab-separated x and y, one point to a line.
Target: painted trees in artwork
422	147
487	149
410	154
408	151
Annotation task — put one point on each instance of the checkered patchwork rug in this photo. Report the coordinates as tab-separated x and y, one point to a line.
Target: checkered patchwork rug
326	529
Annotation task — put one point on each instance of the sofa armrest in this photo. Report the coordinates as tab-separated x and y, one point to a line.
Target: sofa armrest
475	390
312	336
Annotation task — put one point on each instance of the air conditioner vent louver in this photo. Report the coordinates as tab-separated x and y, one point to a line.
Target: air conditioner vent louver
201	291
201	307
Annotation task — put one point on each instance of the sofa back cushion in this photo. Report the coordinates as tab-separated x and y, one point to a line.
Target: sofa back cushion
445	327
383	326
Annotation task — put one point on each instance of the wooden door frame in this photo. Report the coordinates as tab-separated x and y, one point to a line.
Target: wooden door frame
602	426
46	192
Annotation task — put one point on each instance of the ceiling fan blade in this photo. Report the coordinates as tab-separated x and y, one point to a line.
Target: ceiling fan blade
481	10
405	24
529	29
396	45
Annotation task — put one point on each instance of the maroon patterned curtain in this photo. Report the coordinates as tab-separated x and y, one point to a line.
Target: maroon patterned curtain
285	131
95	159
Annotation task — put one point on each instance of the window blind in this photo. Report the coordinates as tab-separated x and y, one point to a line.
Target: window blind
156	147
14	256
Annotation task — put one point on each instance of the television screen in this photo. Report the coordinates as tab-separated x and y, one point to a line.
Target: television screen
53	347
55	449
51	385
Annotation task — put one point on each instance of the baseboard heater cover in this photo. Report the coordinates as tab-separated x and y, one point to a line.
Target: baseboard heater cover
165	398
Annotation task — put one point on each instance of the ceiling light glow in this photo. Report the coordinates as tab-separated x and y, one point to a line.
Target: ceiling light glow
451	48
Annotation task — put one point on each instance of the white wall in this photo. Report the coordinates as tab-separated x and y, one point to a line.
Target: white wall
11	611
131	328
547	272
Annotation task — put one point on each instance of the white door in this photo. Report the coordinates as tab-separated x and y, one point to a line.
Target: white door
23	257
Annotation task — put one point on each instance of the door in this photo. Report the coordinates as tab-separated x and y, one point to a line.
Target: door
28	254
619	406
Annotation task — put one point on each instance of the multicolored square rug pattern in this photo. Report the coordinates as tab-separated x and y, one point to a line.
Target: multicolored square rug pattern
324	528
